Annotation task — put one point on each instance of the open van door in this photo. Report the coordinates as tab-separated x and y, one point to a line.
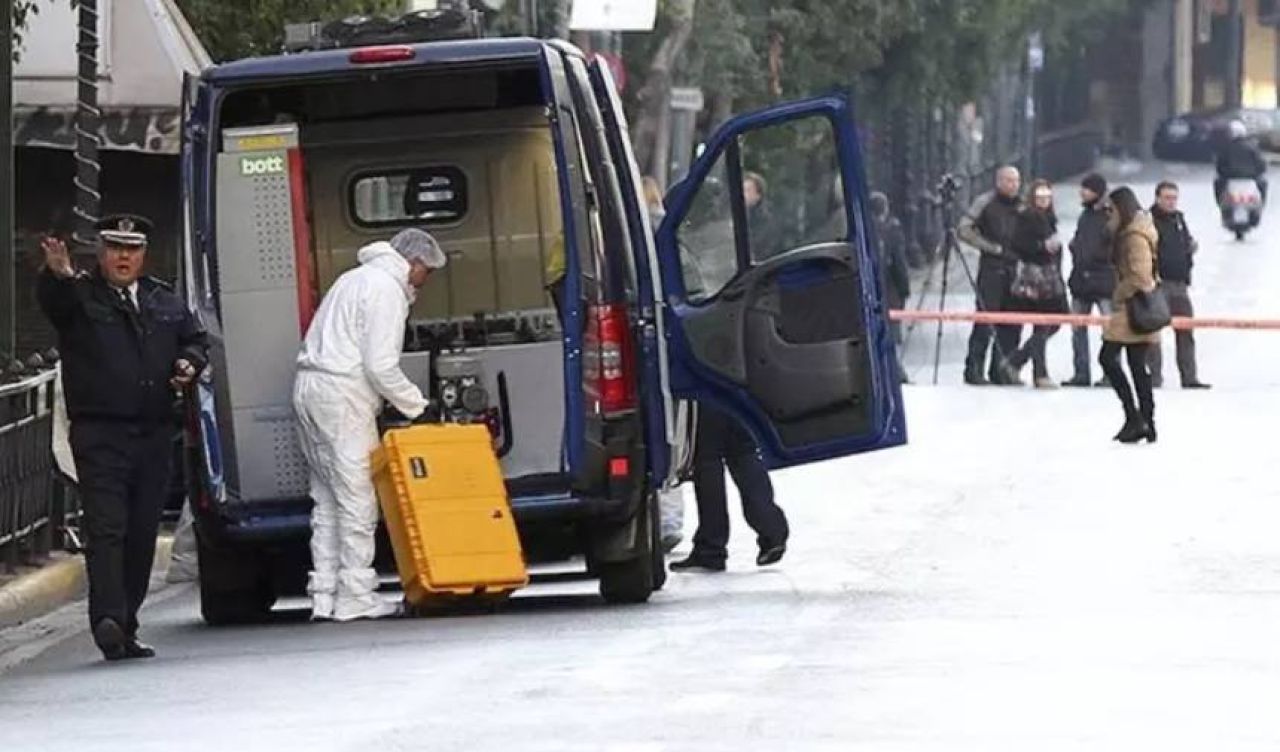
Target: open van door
774	308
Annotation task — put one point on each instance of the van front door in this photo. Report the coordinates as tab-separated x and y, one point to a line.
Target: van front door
774	309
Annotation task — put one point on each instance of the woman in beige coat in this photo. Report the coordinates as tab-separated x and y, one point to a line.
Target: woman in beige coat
1134	252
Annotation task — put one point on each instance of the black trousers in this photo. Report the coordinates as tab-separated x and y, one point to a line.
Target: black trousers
123	472
722	442
994	283
1137	356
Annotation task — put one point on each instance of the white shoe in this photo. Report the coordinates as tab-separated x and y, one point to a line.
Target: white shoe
346	611
321	607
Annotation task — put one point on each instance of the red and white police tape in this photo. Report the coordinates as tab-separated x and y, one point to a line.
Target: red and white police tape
1071	319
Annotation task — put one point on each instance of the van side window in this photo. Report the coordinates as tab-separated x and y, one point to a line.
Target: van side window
434	195
792	188
708	249
774	189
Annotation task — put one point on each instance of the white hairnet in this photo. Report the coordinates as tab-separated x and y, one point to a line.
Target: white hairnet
414	244
1237	129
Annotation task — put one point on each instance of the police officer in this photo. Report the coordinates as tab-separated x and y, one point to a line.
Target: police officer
128	345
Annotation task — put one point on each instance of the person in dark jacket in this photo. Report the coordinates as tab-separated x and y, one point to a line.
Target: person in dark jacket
894	270
988	226
1093	272
129	344
1239	159
766	240
1038	285
1175	257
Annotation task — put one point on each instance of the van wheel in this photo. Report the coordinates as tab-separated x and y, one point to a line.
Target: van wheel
634	580
235	586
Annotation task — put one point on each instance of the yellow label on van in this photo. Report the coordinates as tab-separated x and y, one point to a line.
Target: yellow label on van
261	143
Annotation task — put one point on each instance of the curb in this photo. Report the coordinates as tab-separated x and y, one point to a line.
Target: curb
56	585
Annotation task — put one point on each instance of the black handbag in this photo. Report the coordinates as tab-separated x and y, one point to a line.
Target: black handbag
1037	282
1149	311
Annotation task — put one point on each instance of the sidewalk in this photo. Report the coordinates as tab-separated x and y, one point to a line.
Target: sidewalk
56	584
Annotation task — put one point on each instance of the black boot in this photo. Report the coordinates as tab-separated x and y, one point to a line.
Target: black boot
973	376
1135	429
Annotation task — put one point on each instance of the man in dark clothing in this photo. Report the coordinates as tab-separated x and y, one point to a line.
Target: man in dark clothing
989	226
1239	159
1093	272
766	240
894	270
722	442
128	343
1175	256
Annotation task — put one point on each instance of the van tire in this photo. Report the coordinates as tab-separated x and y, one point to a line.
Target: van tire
634	580
235	586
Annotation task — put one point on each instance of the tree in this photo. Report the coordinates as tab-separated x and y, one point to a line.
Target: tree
232	29
22	10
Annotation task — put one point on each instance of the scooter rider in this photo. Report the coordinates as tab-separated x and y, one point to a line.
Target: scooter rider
350	363
1239	159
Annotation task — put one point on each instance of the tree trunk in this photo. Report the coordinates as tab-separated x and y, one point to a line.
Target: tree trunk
653	97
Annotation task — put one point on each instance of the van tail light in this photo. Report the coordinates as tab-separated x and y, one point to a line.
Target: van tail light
383	54
608	360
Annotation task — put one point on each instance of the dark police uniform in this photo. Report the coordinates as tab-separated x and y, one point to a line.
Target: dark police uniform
119	352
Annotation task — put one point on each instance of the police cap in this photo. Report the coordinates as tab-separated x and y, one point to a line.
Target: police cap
129	230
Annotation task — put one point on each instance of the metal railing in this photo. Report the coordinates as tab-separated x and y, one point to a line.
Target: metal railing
35	508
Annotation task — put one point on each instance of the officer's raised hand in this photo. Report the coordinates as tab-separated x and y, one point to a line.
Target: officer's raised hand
56	257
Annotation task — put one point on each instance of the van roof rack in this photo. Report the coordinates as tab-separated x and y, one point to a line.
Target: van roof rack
363	31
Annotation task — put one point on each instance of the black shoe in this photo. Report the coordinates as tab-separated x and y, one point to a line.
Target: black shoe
135	649
698	563
975	379
771	555
1103	383
1196	385
1011	374
111	639
1077	381
1151	432
1135	429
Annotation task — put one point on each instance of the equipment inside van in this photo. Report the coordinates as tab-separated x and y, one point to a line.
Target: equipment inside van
514	154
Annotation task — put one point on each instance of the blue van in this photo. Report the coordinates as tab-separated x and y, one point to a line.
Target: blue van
515	154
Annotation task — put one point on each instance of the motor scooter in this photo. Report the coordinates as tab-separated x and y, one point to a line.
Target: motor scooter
1241	205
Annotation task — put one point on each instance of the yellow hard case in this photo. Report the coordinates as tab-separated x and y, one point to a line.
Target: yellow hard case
446	508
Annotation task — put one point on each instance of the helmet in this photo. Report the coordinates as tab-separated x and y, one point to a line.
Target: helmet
1237	130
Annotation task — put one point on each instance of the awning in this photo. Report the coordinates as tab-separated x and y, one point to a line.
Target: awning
148	130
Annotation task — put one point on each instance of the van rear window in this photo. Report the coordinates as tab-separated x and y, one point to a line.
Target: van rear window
428	195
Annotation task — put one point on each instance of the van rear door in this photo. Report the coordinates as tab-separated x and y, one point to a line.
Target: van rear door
665	435
774	308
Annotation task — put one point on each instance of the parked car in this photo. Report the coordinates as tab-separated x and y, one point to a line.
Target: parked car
504	149
1196	137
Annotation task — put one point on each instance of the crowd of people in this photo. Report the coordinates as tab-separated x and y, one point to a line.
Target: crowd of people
1119	249
1021	270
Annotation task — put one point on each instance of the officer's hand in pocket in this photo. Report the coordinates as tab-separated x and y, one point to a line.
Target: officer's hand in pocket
183	374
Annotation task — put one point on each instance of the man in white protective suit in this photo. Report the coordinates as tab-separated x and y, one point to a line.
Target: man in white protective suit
350	363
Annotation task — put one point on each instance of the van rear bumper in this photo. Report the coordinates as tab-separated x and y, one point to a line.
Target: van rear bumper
288	520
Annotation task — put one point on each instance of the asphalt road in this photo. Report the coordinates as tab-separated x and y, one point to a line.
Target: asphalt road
1012	580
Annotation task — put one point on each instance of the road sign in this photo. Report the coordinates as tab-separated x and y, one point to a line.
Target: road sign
613	15
687	98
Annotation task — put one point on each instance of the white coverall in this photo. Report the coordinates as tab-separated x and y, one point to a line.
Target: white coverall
350	361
